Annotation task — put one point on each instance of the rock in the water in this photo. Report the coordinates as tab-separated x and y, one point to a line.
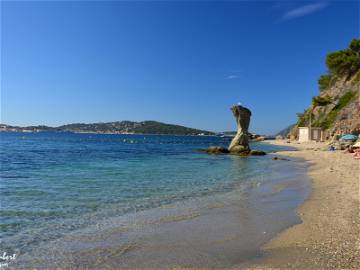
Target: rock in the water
240	150
257	153
280	158
242	116
240	143
217	150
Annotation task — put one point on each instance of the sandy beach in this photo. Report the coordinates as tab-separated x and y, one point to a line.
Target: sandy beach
329	236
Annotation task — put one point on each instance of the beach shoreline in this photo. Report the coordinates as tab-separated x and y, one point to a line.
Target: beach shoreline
277	225
328	237
223	223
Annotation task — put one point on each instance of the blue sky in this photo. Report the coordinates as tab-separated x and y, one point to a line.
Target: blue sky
176	62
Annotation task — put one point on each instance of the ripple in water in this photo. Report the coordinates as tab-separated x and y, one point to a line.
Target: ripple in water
55	183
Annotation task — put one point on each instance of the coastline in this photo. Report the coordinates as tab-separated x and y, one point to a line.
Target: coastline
217	231
220	231
328	237
105	133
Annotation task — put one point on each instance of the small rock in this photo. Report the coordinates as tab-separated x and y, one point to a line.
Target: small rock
257	153
280	158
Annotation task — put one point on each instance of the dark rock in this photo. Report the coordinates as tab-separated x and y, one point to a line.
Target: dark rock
238	150
217	150
257	153
280	158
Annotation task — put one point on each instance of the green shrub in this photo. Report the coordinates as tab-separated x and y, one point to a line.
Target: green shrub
345	62
301	122
302	118
344	100
321	101
329	120
324	82
342	103
341	63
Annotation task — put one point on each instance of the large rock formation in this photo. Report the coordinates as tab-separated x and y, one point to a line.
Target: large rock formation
240	143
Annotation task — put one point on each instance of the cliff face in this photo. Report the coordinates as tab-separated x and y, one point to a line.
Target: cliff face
337	108
346	96
340	113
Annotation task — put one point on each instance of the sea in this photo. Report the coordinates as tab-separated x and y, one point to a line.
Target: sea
114	201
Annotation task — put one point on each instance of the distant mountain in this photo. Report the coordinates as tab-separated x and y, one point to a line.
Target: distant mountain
119	127
285	131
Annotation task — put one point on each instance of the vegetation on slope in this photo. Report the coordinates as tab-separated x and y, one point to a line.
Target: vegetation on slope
331	116
329	119
343	63
321	101
153	127
336	88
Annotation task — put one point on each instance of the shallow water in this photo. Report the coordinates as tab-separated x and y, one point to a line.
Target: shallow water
139	201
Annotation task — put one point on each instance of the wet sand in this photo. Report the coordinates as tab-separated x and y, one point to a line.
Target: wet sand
329	237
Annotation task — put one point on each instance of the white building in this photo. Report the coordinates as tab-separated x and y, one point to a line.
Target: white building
306	134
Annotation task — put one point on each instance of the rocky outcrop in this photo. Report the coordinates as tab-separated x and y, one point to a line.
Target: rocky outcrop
337	107
217	150
342	113
240	143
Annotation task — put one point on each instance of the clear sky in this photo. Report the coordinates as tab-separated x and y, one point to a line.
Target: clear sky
176	62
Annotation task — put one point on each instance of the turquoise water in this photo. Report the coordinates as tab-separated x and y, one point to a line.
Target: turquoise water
55	183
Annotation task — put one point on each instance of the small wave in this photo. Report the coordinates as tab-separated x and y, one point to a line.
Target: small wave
14	176
29	214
